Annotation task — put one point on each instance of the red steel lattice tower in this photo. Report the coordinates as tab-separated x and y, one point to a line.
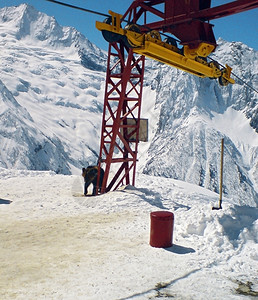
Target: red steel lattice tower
123	95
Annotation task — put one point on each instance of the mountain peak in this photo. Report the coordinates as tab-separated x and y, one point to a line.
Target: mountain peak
25	23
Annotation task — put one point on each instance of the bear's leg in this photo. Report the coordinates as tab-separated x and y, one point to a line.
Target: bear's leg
86	185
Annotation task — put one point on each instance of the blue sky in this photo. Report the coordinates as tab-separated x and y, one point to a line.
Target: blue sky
240	27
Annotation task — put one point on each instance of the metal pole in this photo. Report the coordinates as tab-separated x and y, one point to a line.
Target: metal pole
221	176
221	172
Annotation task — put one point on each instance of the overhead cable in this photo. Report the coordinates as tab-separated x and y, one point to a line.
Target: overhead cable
244	82
79	8
83	9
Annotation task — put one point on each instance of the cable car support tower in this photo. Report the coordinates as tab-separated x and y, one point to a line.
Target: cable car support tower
186	21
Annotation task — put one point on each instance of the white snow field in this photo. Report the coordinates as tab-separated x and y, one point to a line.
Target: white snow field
57	244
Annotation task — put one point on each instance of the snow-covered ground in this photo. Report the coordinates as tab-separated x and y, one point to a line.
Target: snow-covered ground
56	244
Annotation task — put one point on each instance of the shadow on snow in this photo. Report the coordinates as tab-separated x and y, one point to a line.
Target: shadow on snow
153	198
241	217
4	201
180	249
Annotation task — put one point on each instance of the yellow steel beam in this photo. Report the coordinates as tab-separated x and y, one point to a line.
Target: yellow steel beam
164	55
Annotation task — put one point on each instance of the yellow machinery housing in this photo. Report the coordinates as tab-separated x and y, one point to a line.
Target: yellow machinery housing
150	44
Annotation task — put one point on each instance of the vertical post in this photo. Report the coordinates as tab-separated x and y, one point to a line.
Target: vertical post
221	176
221	173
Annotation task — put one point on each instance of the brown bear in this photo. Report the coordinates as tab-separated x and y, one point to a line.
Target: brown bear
90	175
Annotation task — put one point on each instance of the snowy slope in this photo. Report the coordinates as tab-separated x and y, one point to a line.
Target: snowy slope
52	83
56	244
196	114
38	72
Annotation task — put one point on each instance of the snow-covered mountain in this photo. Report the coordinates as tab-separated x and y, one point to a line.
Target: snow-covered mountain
52	82
196	114
50	97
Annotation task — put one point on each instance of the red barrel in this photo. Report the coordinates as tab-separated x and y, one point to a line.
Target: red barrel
161	232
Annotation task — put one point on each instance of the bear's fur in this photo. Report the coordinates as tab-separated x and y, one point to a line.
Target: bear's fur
90	175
